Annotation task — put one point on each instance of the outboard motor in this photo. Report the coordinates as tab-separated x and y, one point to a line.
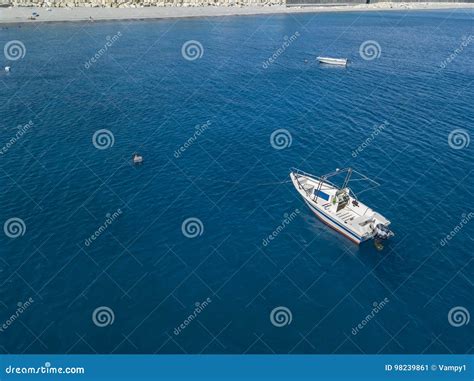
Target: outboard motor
383	232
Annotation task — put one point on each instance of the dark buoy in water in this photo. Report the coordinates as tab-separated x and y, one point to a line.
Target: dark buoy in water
137	158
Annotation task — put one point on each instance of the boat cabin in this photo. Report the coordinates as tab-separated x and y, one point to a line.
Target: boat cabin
341	199
338	199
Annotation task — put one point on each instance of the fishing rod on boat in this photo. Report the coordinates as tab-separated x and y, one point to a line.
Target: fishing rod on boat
248	184
348	177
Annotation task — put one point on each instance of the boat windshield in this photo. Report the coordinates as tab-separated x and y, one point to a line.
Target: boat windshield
342	199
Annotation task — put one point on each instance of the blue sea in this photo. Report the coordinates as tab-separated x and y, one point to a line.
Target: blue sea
172	256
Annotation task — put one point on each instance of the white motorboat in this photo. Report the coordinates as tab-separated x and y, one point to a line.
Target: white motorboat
333	61
339	208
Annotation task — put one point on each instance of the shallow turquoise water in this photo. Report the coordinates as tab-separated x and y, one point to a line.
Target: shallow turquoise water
147	272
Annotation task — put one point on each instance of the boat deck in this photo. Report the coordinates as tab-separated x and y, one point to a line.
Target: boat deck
355	220
347	214
353	216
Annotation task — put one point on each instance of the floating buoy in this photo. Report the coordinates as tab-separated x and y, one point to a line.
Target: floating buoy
137	158
7	69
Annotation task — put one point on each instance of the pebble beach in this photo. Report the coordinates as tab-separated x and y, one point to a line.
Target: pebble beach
61	14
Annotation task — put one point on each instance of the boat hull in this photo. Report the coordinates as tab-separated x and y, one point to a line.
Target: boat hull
332	61
335	207
322	213
335	225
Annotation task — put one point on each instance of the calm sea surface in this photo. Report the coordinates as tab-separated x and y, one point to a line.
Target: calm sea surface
133	286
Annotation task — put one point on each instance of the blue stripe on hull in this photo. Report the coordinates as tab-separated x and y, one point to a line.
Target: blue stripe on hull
338	225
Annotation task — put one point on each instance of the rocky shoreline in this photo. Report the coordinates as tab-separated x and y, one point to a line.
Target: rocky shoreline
141	3
198	3
45	11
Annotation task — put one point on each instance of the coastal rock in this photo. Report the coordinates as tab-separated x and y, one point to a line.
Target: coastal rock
142	3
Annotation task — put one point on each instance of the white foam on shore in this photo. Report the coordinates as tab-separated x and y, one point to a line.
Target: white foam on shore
21	15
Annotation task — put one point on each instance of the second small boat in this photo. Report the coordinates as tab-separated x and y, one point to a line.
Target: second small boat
333	61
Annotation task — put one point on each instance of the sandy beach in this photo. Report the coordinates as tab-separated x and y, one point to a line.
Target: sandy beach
22	14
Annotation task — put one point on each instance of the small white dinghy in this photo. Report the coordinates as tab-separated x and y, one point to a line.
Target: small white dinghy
333	61
339	208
